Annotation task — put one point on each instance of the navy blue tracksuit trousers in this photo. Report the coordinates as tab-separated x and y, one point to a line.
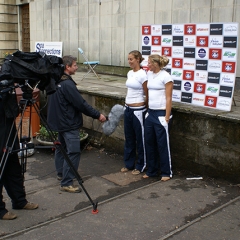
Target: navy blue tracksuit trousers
157	144
134	138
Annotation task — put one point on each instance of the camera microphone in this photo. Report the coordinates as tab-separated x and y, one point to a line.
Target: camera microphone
113	119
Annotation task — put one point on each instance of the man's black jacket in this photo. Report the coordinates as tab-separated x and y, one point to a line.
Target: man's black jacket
66	105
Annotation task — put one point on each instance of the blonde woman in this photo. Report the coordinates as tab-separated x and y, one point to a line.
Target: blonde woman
160	86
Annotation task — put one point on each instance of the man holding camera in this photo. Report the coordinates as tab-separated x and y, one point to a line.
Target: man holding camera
65	110
12	177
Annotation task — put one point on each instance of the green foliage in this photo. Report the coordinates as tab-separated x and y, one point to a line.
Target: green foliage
45	136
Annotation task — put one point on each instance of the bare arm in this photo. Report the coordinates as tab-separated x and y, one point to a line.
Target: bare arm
169	89
145	89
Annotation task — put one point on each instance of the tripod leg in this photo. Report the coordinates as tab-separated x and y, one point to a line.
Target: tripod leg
58	145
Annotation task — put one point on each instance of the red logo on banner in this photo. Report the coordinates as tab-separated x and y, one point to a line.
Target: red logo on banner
228	67
202	41
199	88
189	29
188	75
210	101
215	53
167	51
145	68
146	30
156	40
177	62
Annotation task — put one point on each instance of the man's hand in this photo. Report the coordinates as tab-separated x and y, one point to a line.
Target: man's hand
102	118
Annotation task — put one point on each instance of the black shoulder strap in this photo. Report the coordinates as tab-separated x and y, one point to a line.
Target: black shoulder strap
29	66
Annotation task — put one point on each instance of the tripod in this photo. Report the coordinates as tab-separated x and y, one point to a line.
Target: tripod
28	101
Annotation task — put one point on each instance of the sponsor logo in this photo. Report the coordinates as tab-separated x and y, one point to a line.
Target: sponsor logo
177	85
166	40
224	103
230	42
201	76
198	99
230	29
199	88
215	42
202	29
146	30
202	41
176	96
227	79
156	50
202	53
156	29
216	29
188	75
176	74
212	89
146	50
213	77
215	53
156	40
215	65
189	64
166	51
201	64
177	29
186	97
189	52
189	41
178	51
228	67
167	29
210	101
229	54
187	86
225	91
146	40
189	29
177	40
177	63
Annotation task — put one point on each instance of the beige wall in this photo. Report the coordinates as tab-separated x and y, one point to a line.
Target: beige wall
108	29
8	27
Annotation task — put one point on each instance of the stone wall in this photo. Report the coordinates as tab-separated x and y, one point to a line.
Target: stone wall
107	30
203	141
8	27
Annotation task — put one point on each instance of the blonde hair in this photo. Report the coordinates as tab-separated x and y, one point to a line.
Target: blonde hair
161	61
137	55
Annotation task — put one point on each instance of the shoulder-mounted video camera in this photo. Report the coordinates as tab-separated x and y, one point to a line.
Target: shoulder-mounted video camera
37	68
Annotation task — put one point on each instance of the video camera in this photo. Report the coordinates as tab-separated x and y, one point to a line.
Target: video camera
36	68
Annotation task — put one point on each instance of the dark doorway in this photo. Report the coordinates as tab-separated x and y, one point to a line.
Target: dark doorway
25	28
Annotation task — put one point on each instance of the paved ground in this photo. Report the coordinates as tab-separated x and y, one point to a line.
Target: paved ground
129	207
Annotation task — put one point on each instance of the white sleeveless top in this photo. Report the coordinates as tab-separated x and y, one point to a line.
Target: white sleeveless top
135	80
156	89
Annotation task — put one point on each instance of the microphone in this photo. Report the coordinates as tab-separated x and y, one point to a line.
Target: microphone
113	119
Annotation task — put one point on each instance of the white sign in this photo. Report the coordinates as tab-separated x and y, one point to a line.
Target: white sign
50	48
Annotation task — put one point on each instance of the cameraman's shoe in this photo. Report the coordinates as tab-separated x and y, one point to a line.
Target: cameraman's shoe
71	189
9	216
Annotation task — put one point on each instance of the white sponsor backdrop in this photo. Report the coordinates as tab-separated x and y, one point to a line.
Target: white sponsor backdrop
202	60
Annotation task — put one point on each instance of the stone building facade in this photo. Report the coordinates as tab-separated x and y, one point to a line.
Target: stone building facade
106	29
